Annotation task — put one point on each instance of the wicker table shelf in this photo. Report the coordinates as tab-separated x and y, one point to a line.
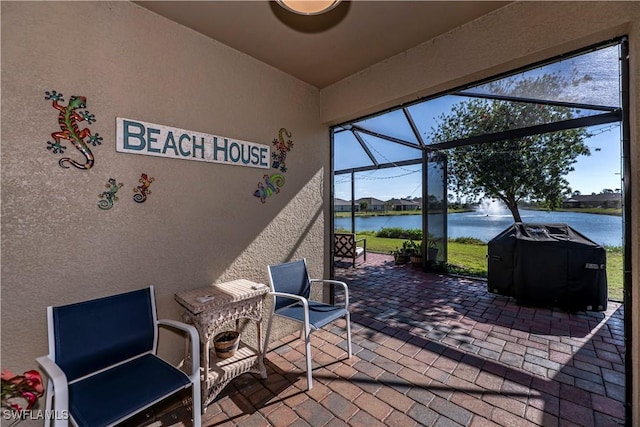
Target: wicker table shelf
211	307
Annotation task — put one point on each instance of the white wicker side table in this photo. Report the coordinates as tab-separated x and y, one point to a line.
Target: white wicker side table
211	307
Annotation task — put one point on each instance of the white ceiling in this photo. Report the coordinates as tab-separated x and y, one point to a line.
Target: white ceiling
322	49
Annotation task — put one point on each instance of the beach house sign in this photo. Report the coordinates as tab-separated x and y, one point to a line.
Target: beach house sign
149	139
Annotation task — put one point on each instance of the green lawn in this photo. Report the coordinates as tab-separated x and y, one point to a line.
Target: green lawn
470	259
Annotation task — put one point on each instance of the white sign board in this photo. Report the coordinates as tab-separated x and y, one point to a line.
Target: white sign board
149	139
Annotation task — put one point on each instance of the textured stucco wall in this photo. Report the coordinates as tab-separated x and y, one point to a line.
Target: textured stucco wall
201	224
516	35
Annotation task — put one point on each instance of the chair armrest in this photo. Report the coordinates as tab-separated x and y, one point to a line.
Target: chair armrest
343	285
195	343
302	299
363	239
60	388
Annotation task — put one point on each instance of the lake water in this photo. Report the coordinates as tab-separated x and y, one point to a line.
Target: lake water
602	229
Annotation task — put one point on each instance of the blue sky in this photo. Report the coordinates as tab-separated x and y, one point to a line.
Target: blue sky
601	170
592	173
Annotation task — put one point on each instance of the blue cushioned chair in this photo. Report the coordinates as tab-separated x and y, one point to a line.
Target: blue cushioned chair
102	366
290	288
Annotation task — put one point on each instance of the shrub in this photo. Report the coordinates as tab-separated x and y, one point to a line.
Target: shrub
468	241
613	250
400	233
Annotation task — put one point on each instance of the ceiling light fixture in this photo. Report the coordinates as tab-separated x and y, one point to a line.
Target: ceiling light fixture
308	7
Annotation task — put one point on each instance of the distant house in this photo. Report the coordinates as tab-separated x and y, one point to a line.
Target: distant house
341	205
602	200
373	204
404	205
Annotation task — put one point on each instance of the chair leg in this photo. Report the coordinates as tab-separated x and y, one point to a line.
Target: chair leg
348	318
48	403
307	346
197	405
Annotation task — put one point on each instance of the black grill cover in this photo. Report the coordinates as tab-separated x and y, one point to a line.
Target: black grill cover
548	264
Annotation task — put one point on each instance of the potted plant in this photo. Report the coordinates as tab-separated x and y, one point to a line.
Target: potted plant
403	254
416	253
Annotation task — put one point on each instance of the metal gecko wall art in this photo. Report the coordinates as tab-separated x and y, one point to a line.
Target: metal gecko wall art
68	119
109	197
142	190
282	147
271	184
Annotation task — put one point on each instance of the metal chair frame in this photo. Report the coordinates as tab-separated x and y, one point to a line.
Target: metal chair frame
297	305
84	362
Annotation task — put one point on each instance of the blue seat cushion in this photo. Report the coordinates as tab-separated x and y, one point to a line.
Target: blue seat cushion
106	397
319	314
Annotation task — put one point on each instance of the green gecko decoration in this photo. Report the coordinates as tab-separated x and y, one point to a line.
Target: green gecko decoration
109	196
68	120
272	185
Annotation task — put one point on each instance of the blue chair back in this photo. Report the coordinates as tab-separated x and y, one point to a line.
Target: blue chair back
290	278
96	334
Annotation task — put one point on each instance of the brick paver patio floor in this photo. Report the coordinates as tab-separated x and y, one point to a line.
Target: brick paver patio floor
438	351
